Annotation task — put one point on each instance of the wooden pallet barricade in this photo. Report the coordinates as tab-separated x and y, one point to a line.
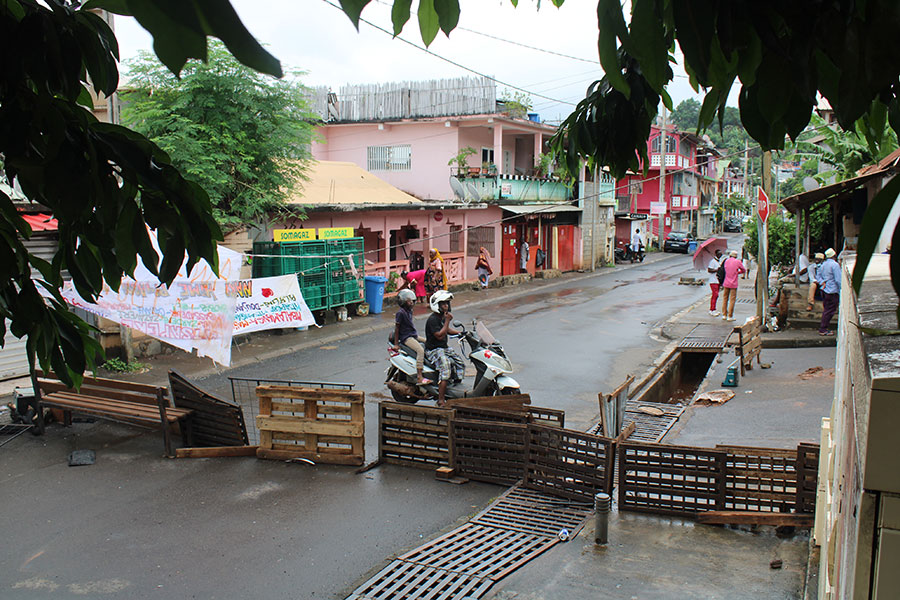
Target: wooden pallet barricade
567	463
215	422
807	477
760	479
414	436
749	343
321	425
491	451
670	480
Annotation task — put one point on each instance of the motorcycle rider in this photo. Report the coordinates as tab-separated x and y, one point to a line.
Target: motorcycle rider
405	331
444	358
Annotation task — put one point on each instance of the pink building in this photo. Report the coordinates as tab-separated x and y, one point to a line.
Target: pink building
412	154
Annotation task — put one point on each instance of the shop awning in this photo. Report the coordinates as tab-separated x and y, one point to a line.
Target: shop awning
811	198
537	209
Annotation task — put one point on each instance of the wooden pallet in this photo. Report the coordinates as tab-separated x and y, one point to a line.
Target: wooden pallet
321	425
215	422
749	343
760	479
491	451
807	477
569	463
414	436
670	480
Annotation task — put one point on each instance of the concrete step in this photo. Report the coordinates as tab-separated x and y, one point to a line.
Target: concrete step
810	323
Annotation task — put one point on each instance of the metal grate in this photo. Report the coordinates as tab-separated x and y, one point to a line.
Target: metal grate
10	431
706	336
647	428
530	511
466	562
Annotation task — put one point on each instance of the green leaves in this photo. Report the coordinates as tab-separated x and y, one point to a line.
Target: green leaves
180	29
870	230
612	26
353	9
400	15
429	22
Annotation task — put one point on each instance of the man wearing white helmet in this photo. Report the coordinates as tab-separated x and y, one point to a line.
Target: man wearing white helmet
405	331
447	362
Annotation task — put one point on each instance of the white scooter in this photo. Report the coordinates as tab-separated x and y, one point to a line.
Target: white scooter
486	353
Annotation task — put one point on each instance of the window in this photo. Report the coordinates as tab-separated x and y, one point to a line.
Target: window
685	149
478	237
389	158
487	155
455	237
670	144
684	184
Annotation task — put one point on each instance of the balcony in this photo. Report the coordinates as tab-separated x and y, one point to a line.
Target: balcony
516	188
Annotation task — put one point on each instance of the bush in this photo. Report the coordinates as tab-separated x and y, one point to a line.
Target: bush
781	240
117	365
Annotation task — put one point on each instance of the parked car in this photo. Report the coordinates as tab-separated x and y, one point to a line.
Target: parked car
677	241
733	224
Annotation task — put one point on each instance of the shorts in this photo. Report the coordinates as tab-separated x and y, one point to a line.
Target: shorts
447	362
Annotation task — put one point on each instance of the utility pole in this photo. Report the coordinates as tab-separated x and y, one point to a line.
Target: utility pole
746	162
762	272
660	230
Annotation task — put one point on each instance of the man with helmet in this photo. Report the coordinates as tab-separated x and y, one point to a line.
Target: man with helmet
405	331
447	362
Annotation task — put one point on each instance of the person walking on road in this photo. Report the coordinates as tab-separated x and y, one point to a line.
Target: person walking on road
483	268
733	268
636	246
524	256
447	362
828	276
714	284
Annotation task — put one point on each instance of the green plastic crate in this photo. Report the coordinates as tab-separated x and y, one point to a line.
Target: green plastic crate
266	266
311	254
314	287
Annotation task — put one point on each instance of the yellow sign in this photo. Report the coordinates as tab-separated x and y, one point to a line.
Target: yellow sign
335	233
294	235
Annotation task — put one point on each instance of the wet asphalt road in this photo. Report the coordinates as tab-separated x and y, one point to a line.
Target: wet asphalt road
135	525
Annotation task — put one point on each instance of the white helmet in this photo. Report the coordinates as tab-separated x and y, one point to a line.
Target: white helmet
438	297
406	295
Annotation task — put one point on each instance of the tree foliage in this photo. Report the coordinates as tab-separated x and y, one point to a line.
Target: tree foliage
105	184
242	136
781	240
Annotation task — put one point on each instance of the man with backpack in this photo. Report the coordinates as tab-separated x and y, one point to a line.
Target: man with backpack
732	268
715	281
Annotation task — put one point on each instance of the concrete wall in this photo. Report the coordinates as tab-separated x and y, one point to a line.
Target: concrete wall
432	146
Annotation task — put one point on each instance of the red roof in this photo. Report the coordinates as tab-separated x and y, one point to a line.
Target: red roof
41	222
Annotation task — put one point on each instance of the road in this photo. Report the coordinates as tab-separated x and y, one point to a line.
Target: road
138	526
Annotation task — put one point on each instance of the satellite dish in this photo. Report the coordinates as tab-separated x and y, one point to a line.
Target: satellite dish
458	188
473	191
810	183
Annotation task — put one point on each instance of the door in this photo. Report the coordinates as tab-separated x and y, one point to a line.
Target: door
565	247
509	255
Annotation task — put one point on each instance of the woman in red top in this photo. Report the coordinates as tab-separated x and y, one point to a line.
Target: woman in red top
414	280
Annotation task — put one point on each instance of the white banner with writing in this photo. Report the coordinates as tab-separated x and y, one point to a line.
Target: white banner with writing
270	303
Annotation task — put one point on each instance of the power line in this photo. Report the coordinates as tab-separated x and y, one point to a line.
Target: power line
452	62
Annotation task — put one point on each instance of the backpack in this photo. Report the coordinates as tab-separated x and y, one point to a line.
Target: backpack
720	273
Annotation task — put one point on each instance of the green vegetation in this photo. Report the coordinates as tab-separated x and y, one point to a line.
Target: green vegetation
241	136
781	240
118	365
459	159
517	104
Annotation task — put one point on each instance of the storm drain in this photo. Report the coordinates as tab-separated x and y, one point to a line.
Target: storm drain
647	428
706	337
465	563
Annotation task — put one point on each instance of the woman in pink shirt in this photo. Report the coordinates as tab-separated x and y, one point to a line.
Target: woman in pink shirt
733	268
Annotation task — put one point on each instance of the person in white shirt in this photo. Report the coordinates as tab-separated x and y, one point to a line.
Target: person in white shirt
714	284
636	241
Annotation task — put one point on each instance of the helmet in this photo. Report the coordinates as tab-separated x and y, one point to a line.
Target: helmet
438	297
406	295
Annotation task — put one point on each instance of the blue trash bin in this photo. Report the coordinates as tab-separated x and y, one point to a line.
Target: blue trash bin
692	247
375	292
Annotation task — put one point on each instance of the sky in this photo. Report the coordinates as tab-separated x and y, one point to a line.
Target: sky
315	37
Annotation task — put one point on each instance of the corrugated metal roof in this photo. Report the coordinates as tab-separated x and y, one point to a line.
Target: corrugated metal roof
41	222
335	183
537	209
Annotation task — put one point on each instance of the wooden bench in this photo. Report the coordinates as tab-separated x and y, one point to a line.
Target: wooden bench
123	401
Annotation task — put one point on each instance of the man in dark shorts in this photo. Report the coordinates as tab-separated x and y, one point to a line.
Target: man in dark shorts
405	331
447	362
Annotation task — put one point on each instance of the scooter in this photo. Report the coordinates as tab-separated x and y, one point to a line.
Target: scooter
486	354
624	252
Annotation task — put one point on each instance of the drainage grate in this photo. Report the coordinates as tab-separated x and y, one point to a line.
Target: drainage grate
466	562
402	580
706	336
529	511
10	431
647	428
480	551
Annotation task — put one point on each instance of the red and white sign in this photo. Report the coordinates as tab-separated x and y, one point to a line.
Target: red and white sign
657	208
438	216
762	205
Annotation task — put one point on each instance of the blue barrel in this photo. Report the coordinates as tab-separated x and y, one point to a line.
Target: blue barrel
692	247
375	292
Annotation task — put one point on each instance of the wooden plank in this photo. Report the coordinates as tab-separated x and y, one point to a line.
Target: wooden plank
216	452
334	459
742	517
301	393
309	427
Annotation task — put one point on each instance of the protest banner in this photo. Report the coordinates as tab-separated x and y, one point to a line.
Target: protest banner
269	303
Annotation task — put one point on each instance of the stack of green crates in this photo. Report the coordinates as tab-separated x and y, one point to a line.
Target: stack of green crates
322	267
343	286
